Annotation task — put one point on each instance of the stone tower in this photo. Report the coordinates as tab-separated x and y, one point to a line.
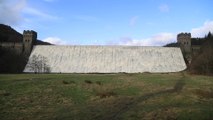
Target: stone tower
29	39
184	40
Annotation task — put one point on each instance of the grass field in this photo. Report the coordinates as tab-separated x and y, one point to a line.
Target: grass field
173	96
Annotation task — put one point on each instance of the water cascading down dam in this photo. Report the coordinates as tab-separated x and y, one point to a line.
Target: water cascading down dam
110	59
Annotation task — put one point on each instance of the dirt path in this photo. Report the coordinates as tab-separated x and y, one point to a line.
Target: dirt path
132	103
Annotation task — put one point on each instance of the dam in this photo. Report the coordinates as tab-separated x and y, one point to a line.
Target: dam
109	59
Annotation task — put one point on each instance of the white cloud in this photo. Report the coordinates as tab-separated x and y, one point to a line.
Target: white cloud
133	20
164	8
164	38
13	12
55	40
38	13
156	40
203	30
11	15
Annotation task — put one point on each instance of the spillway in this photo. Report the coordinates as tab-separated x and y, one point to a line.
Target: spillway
109	59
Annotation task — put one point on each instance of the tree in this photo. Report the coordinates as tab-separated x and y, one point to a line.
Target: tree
203	62
209	35
38	64
175	44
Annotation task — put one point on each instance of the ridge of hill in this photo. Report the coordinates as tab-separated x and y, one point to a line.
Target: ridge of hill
8	34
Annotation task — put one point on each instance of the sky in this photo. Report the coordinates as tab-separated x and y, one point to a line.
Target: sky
109	22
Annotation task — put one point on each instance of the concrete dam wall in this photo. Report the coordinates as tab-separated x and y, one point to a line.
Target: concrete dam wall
110	59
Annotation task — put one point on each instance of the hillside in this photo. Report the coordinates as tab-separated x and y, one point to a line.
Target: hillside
202	63
8	34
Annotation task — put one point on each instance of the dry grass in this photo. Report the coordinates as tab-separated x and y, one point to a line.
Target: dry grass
208	94
106	96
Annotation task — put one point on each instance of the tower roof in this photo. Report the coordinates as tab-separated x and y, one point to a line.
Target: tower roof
184	34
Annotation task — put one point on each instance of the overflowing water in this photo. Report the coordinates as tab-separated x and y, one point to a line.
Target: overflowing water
109	59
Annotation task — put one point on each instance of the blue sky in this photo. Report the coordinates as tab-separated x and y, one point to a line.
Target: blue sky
109	22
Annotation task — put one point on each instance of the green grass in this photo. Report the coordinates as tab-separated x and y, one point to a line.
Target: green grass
106	96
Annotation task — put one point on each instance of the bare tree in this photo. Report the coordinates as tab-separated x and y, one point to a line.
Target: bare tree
38	64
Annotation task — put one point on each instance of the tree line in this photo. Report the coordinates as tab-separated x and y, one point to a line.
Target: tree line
202	63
